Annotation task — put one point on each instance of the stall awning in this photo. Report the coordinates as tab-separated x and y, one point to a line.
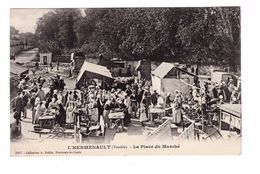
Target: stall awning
234	109
98	71
17	69
164	68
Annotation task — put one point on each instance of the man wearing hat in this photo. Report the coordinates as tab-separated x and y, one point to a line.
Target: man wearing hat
61	84
32	104
154	98
213	91
41	93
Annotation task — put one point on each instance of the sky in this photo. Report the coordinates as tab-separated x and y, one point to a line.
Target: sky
25	20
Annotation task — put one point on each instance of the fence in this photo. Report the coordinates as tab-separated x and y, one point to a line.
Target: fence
188	134
163	132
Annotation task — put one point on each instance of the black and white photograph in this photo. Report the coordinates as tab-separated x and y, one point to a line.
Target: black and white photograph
125	81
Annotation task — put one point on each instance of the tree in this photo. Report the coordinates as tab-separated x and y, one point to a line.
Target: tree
211	35
55	30
195	35
13	30
66	33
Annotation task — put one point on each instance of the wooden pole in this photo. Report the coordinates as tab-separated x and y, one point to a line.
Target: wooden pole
202	126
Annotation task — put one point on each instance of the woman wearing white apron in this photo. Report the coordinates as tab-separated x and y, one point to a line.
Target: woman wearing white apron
39	111
127	102
70	113
176	111
143	117
37	102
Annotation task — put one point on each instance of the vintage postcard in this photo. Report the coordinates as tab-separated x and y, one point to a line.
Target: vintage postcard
125	81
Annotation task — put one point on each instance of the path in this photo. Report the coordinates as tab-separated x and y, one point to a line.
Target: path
26	56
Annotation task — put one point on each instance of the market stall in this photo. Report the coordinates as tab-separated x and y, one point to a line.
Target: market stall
93	71
230	119
117	117
168	77
155	112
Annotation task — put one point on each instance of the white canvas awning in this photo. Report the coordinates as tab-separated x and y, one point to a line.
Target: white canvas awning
163	69
17	69
94	71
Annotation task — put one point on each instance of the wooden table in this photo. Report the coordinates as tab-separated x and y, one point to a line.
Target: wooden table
47	122
159	111
116	116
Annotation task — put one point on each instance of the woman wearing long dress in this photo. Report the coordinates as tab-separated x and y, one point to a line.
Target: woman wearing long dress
127	102
133	104
34	105
70	113
121	106
61	115
143	116
106	112
168	100
100	105
39	112
176	111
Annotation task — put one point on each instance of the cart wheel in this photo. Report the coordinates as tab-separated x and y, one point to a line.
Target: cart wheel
58	131
59	134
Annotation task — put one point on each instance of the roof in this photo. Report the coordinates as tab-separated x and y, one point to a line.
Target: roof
44	50
234	109
94	68
17	69
164	68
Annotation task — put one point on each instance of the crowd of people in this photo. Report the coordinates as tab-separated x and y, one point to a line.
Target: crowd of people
48	97
201	104
132	97
31	95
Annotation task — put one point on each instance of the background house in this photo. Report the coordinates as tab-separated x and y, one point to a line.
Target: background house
45	57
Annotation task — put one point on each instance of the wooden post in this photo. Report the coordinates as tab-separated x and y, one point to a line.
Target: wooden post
220	120
202	126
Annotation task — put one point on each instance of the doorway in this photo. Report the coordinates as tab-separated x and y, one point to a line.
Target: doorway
45	60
